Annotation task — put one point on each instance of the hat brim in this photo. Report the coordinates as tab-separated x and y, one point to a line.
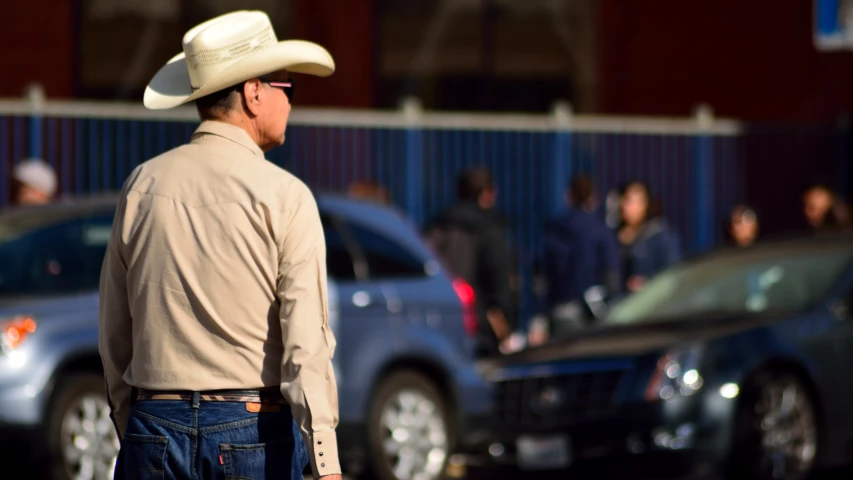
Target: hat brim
171	86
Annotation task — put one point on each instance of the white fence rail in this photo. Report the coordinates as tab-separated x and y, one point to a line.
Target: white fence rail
410	116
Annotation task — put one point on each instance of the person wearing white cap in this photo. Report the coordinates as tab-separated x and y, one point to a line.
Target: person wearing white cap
35	182
213	325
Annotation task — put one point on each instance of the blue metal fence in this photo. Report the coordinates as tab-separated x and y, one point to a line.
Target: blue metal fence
697	174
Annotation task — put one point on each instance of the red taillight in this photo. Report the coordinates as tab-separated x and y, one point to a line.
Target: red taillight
469	305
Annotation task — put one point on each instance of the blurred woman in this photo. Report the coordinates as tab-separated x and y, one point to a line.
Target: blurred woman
649	245
741	228
824	210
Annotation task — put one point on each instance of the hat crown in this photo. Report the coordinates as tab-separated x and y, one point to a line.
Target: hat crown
213	45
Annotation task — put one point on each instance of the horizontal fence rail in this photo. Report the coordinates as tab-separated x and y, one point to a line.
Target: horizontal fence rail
698	167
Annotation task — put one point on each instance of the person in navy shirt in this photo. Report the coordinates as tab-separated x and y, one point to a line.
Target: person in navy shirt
579	252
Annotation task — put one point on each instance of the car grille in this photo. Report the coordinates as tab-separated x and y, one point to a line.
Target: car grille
558	400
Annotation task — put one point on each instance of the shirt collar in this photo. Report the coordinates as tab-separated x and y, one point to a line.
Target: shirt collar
228	132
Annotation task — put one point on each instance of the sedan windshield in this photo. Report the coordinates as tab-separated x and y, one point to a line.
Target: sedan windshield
52	253
738	283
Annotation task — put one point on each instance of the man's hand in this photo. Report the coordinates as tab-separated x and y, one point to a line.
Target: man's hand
515	342
636	283
336	476
537	332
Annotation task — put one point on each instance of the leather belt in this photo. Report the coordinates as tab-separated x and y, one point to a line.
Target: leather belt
266	395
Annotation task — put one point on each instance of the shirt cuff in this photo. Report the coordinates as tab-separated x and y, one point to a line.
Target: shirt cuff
324	454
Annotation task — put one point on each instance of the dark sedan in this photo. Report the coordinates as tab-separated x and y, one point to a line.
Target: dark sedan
732	363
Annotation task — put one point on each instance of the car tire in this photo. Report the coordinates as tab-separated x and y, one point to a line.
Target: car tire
79	415
777	429
424	433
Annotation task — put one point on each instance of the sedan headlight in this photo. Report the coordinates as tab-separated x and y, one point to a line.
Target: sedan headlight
14	331
677	373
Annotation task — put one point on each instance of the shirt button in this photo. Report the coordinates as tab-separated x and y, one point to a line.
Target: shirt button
321	454
319	442
322	465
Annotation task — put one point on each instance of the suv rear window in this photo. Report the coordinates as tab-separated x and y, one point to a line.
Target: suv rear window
385	257
57	257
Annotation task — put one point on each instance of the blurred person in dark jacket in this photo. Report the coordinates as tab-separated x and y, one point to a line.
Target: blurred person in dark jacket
649	244
823	209
470	237
579	252
741	227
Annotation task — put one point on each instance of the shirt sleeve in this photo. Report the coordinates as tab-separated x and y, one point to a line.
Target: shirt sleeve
308	379
115	325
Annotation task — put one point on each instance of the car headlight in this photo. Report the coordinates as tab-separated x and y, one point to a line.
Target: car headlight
14	331
677	373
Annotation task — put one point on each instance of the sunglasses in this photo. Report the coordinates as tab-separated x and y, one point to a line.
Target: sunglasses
287	86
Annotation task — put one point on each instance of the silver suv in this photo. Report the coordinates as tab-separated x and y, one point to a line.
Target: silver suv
405	342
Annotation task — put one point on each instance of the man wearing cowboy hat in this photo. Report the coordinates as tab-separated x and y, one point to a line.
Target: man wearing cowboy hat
34	182
214	327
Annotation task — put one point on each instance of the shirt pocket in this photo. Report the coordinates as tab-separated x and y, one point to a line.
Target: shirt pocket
276	459
144	456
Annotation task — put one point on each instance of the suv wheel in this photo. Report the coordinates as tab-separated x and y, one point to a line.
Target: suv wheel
82	439
409	429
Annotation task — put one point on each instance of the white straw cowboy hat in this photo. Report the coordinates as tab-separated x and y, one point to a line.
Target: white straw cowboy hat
227	50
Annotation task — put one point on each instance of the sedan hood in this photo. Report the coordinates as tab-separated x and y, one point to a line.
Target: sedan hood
632	340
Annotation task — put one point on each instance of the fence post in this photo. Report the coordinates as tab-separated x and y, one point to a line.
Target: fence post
34	93
703	180
413	150
561	161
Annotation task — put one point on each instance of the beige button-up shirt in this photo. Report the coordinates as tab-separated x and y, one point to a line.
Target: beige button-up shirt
215	278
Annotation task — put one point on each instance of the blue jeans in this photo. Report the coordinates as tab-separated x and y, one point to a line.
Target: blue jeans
199	440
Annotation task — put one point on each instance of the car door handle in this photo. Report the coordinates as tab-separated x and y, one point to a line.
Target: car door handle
361	299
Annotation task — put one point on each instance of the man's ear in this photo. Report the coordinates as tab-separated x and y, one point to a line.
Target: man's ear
253	92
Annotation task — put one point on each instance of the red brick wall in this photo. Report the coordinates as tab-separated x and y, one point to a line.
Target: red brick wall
37	44
346	29
748	59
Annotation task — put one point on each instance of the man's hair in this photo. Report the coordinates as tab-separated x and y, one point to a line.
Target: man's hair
472	182
218	104
580	189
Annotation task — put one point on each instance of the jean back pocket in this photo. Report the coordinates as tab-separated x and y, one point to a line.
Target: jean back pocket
144	457
277	459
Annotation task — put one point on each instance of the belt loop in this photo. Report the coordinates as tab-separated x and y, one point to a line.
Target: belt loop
195	399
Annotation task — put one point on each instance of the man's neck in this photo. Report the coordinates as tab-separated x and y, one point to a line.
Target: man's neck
243	123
